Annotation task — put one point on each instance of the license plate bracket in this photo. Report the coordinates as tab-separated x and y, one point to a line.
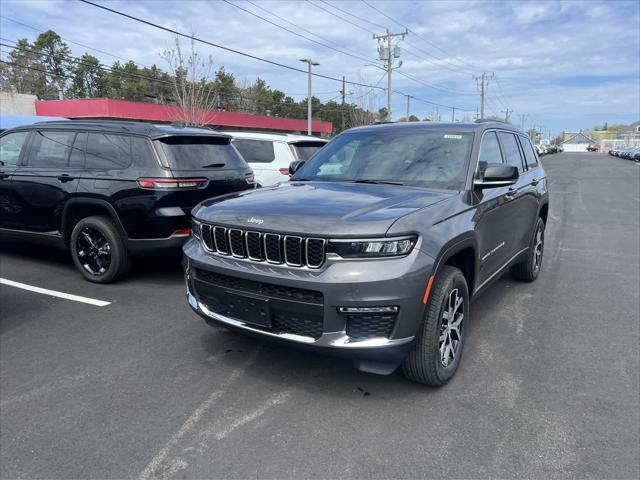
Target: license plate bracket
252	310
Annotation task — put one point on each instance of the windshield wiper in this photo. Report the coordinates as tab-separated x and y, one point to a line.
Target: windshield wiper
214	165
386	182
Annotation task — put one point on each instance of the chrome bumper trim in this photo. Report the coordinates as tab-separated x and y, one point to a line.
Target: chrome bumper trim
328	339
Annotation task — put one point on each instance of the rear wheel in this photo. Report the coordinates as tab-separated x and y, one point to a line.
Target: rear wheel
438	349
529	269
98	250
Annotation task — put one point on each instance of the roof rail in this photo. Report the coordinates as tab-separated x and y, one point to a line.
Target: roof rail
490	120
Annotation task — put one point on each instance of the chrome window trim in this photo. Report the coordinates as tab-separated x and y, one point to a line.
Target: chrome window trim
230	243
301	246
246	244
266	254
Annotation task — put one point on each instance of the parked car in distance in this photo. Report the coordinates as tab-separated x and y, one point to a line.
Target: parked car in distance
269	154
108	190
593	148
378	256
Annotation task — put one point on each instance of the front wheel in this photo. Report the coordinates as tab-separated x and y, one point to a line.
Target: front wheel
529	269
438	349
98	250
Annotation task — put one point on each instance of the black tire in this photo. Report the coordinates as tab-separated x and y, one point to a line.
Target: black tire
98	250
425	363
529	269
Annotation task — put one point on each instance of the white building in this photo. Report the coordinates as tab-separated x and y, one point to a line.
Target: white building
578	143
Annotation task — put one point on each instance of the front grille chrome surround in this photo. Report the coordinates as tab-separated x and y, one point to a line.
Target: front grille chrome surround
272	248
220	240
293	253
236	242
253	244
315	252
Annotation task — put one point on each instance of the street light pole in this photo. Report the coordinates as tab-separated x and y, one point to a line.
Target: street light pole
309	113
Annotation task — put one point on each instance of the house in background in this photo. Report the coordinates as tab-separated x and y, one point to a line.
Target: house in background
578	143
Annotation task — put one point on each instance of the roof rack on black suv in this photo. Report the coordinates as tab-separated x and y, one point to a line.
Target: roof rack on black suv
377	245
110	189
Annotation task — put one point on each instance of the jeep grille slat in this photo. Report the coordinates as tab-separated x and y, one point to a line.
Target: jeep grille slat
292	250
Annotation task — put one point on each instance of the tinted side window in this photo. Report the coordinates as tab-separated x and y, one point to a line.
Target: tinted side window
51	149
511	150
142	151
255	151
489	151
529	155
76	157
108	151
10	147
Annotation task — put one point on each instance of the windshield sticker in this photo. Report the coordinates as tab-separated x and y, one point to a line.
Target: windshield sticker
455	137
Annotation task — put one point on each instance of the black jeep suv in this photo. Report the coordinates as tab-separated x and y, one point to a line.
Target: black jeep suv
107	190
377	245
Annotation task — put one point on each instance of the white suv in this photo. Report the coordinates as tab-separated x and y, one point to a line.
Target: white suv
269	154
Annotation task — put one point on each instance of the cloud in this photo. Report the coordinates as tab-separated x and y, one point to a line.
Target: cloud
563	63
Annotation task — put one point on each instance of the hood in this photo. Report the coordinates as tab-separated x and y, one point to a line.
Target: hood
318	208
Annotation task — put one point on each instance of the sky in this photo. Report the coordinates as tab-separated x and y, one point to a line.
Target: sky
559	65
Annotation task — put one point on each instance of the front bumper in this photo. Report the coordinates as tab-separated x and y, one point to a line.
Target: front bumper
398	282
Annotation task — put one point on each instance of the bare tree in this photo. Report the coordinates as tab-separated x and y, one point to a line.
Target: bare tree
191	77
364	106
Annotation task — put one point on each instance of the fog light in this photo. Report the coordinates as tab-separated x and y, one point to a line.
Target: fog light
390	309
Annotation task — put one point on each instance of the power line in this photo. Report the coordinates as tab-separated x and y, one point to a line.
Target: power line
238	52
69	41
296	33
228	49
475	68
338	16
303	29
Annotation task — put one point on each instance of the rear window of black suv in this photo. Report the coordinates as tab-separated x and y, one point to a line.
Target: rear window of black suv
183	152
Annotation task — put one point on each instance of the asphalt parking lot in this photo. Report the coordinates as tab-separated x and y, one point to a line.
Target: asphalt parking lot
141	387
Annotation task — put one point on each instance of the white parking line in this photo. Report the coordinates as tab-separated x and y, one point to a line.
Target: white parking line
53	293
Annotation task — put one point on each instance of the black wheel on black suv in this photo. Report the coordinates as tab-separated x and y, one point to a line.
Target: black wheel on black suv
529	269
438	349
98	251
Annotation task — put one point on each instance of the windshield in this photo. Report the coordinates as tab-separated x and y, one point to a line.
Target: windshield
194	153
419	157
306	150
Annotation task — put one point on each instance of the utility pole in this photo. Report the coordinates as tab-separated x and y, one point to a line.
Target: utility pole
309	113
522	120
507	114
387	54
453	114
483	84
343	92
408	100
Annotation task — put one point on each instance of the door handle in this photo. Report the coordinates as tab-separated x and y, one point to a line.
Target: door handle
65	178
4	175
535	182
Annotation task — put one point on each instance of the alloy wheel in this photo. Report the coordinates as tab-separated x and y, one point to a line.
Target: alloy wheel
94	251
537	250
451	328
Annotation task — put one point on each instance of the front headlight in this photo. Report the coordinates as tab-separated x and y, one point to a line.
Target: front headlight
196	228
373	248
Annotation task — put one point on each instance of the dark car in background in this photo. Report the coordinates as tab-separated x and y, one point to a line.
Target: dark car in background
377	245
108	190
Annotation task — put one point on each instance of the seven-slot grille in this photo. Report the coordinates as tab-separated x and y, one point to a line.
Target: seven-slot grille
264	247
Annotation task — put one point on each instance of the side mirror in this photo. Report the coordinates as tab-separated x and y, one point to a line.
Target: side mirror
295	166
497	175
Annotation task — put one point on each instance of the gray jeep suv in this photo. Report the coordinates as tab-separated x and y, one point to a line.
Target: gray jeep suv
378	244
